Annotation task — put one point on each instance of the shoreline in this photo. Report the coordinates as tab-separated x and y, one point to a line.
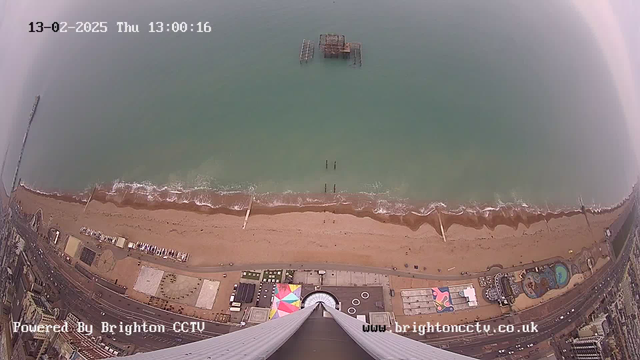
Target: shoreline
411	216
323	237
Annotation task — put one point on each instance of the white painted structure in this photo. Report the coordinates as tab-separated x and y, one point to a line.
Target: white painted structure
261	341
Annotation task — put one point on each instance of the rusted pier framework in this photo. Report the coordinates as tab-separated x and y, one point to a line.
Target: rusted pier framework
306	51
336	46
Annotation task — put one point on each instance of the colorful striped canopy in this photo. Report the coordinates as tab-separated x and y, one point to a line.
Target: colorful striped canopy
286	300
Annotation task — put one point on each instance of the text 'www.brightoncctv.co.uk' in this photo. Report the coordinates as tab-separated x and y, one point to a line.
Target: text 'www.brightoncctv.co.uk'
428	327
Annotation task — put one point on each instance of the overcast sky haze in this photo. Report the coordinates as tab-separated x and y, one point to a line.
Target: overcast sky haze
18	53
616	28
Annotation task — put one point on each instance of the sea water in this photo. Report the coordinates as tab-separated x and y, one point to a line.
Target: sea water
458	102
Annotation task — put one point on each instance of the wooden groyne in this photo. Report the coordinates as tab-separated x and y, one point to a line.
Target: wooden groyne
306	51
246	217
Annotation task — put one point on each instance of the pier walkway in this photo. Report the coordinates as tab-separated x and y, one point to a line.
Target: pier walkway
356	54
306	51
24	141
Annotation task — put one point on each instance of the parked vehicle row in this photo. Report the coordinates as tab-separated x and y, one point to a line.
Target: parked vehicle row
98	235
118	241
162	252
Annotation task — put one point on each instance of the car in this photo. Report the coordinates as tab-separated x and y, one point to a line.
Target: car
103	314
561	317
572	310
530	345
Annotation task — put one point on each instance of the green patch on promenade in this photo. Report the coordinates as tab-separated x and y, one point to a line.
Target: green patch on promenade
274	276
251	275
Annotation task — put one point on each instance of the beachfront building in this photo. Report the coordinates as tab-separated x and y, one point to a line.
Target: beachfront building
37	311
75	345
36	220
315	332
589	348
599	326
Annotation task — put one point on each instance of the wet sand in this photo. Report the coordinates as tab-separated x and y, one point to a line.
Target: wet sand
326	237
398	212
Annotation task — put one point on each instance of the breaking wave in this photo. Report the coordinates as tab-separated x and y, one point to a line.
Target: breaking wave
379	206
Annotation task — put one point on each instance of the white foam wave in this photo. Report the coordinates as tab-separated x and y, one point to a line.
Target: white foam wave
381	203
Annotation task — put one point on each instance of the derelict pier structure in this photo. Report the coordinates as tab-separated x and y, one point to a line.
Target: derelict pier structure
333	46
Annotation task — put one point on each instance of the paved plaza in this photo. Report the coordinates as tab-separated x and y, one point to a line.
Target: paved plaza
148	280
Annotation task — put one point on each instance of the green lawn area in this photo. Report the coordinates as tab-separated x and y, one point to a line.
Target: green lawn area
274	276
251	275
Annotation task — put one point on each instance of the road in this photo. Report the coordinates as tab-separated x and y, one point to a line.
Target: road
332	266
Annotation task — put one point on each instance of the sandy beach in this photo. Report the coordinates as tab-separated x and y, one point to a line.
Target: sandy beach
325	237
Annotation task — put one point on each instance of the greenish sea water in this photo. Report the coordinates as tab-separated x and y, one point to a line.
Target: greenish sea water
456	102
